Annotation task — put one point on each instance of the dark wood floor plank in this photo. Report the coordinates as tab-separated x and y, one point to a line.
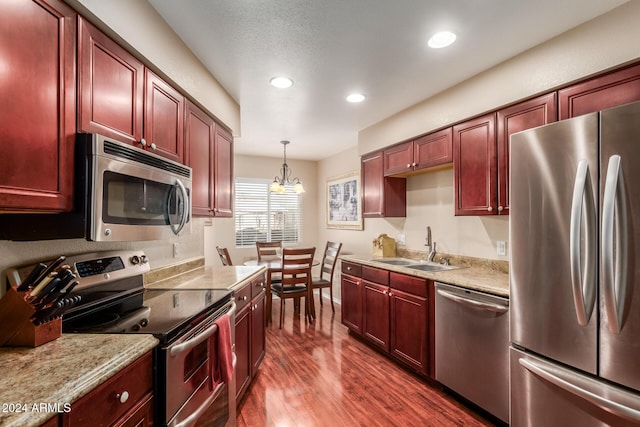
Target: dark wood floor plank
319	375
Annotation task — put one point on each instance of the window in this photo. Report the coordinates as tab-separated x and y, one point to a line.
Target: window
262	216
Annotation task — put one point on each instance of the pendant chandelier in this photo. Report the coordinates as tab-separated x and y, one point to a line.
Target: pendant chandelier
279	182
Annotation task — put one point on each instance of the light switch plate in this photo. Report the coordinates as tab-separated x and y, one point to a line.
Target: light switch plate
502	247
401	239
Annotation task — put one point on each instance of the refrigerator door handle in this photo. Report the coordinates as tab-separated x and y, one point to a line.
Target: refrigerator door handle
583	278
566	382
614	267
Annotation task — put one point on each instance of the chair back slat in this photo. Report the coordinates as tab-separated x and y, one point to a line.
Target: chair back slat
268	250
331	252
225	258
296	266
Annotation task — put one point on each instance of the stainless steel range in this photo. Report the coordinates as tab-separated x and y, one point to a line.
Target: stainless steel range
191	386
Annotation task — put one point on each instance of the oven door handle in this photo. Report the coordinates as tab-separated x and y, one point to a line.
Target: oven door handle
189	344
198	412
185	214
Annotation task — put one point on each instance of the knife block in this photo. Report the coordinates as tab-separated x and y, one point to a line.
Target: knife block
17	329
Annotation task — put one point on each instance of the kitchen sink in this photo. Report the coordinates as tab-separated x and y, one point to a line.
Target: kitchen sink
431	267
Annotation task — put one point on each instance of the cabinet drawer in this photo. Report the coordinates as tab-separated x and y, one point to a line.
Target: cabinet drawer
102	406
351	269
257	286
375	275
410	284
243	296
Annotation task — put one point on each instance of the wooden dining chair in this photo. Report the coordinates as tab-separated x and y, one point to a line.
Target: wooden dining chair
329	259
268	250
224	255
296	279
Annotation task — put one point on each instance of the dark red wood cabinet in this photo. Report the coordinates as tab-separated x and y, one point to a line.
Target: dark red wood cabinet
516	118
223	173
250	326
381	196
101	407
163	118
351	295
475	166
375	308
38	87
111	87
601	92
428	151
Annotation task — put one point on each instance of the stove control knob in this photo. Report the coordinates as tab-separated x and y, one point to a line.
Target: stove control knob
144	259
135	260
144	322
135	327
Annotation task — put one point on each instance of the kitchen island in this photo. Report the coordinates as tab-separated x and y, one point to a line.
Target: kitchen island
38	383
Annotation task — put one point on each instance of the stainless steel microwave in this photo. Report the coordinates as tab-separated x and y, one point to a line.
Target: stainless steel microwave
122	193
135	195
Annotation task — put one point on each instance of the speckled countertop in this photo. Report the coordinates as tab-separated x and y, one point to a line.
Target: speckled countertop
61	371
479	278
210	277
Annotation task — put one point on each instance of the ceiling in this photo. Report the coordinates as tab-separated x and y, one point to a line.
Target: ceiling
330	48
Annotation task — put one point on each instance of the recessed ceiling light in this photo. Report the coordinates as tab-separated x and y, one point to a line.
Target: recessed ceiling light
441	39
356	97
281	82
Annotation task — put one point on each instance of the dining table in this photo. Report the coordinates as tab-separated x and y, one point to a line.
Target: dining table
274	265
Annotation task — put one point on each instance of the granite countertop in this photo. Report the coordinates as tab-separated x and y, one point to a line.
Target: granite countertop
209	277
61	371
477	278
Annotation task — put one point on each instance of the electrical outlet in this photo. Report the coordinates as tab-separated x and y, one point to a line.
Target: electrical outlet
176	250
401	239
502	247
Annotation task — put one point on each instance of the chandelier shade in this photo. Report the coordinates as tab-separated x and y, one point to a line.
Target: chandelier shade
280	182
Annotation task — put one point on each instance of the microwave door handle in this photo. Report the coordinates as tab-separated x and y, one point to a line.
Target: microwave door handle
185	215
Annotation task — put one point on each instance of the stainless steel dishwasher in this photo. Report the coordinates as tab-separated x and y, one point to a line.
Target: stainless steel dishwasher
472	346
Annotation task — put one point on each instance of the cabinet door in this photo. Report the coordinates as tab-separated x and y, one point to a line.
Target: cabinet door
51	422
199	140
475	166
375	307
351	308
525	115
610	90
37	124
434	149
398	159
111	85
223	174
163	118
258	325
409	329
382	196
140	415
243	348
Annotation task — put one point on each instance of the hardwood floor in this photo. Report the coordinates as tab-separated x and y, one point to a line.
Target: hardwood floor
319	375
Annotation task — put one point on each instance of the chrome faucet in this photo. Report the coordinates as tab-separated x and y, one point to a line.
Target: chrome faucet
430	245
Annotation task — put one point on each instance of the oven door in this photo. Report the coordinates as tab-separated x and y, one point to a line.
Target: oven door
138	197
194	392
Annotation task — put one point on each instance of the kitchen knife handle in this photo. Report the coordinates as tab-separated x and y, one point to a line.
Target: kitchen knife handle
54	264
583	277
29	281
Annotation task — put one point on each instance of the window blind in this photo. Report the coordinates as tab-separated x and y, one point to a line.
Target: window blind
262	216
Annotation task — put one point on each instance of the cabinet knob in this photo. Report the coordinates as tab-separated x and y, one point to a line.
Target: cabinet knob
500	208
490	208
348	268
244	298
122	397
390	294
414	164
153	145
408	165
143	142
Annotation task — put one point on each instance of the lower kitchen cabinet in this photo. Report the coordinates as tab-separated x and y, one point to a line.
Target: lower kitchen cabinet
51	422
125	399
250	333
392	312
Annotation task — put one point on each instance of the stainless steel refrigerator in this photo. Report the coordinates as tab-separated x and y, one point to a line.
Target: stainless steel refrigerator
574	273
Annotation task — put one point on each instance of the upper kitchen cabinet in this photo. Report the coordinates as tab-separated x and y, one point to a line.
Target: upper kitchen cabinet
209	153
111	86
163	117
475	166
223	173
38	87
605	91
382	196
434	149
516	118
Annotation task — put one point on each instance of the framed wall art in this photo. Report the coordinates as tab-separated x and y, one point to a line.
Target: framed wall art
344	202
